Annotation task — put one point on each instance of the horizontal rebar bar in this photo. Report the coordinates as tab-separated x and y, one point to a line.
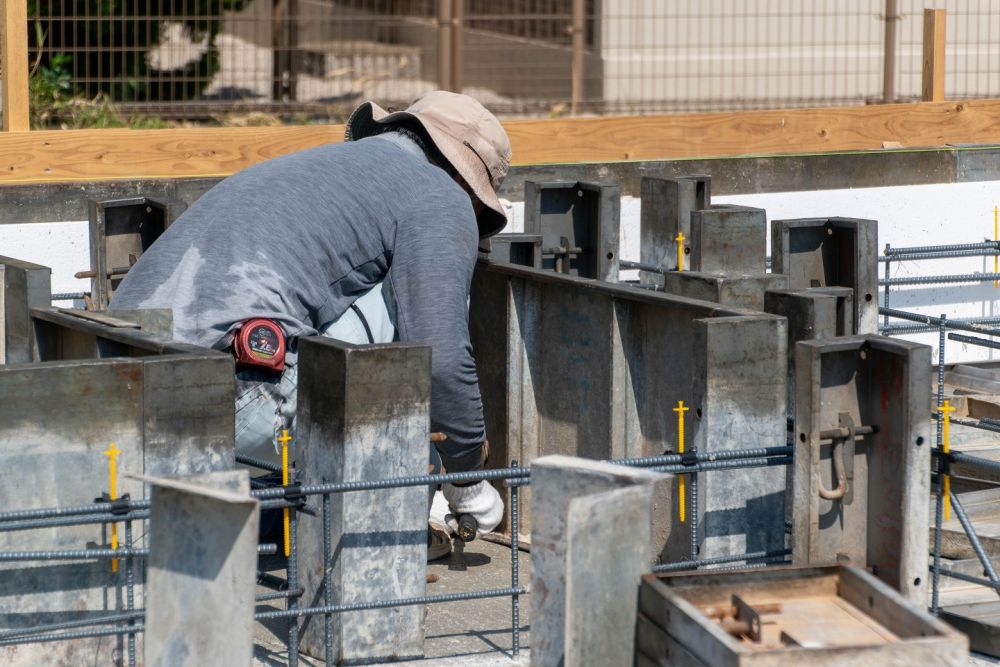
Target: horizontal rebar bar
69	625
981	424
82	634
48	512
278	595
724	455
77	520
69	296
257	463
936	321
967	577
652	268
940	280
972	340
974	461
96	554
912	257
383	604
719	560
397	482
899	329
895	253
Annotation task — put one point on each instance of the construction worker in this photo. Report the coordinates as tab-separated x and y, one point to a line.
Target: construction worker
371	240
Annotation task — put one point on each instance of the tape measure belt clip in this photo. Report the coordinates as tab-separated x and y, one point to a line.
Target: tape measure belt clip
260	343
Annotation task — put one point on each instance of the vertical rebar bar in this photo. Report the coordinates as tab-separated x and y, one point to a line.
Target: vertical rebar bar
885	294
130	592
515	610
293	584
327	583
693	485
939	500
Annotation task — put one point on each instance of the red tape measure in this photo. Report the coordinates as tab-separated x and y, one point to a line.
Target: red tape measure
260	343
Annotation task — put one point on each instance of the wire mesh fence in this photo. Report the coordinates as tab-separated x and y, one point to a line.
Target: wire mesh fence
195	58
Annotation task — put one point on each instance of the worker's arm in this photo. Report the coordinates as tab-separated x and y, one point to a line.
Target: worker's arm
427	290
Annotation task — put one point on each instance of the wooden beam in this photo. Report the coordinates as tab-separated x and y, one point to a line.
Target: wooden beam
87	155
14	64
933	67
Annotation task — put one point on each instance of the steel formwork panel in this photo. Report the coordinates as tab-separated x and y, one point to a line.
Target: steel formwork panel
881	520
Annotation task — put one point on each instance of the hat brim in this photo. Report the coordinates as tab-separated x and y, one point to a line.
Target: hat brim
368	118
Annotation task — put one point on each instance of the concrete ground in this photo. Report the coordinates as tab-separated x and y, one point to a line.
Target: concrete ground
476	633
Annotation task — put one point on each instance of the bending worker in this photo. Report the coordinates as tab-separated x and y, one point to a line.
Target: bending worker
371	240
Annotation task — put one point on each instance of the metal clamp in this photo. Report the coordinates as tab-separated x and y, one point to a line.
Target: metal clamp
842	441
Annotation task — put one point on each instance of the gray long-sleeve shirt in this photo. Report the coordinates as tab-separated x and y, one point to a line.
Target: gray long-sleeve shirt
300	237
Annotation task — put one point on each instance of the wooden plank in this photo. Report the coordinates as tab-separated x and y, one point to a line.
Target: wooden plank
933	62
14	64
89	155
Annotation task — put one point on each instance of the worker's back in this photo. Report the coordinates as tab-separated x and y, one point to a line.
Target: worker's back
299	237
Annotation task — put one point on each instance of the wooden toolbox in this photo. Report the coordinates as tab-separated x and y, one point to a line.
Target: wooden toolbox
787	616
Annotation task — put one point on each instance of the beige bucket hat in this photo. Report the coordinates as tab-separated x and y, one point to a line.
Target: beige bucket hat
465	132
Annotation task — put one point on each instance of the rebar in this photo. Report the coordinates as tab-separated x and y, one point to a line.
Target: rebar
515	574
78	520
977	546
327	581
52	512
939	495
293	583
969	578
66	636
897	253
917	256
719	560
69	296
72	554
941	280
885	292
254	462
384	604
907	329
135	614
959	457
397	482
130	593
693	523
936	321
972	340
280	595
651	268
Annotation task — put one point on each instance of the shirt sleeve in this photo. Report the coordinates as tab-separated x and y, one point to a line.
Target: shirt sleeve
433	258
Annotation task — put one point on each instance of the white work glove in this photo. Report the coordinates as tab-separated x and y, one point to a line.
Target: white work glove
479	500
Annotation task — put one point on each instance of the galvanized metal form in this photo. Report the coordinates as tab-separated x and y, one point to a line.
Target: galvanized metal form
862	457
742	291
23	286
813	314
120	231
364	414
591	369
667	204
168	409
729	240
201	571
590	545
831	252
523	249
579	225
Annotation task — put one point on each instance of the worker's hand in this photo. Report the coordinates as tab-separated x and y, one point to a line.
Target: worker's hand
480	500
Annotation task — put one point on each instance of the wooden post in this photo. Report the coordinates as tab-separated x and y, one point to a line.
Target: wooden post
14	64
579	35
445	32
889	57
457	45
933	81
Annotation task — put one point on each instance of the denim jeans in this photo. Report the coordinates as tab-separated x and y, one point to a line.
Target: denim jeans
265	403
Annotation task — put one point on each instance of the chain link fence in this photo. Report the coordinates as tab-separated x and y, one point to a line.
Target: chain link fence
193	59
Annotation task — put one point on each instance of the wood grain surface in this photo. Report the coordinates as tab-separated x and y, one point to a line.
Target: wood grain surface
77	155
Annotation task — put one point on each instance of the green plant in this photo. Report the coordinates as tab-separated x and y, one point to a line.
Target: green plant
110	40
